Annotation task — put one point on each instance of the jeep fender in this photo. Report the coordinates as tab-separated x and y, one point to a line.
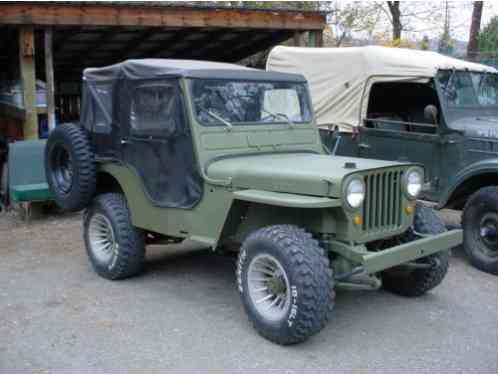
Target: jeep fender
480	168
285	200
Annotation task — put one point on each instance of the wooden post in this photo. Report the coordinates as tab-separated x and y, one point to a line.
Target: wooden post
28	80
298	39
49	75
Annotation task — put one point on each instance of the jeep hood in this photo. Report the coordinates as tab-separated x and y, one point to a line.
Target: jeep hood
297	173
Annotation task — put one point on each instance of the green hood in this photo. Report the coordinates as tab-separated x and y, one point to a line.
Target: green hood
297	173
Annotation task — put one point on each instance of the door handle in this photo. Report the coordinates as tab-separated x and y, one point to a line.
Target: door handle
364	146
125	142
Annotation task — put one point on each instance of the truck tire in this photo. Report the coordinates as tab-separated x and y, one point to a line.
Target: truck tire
480	229
115	247
285	283
70	167
414	282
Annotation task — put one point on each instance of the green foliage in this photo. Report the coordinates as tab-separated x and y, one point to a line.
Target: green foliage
488	39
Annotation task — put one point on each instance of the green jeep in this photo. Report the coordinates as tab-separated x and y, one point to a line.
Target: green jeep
230	157
397	104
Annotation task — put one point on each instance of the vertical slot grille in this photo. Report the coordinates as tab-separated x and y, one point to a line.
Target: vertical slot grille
382	209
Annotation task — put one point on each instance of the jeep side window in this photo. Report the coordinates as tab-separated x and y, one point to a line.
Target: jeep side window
154	110
399	107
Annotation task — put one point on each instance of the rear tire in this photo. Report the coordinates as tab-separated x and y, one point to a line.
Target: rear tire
70	167
480	229
285	283
115	247
418	281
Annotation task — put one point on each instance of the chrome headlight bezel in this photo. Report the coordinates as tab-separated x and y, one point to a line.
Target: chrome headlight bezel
408	180
347	192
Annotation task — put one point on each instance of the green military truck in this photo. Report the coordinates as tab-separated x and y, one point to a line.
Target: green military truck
170	150
398	104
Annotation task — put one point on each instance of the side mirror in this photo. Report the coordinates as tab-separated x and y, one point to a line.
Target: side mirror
431	113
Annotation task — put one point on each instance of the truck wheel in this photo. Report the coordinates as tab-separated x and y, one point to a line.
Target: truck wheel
285	283
70	167
413	282
115	247
480	229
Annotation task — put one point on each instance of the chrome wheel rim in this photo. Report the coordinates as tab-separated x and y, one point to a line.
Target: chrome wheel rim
101	238
268	286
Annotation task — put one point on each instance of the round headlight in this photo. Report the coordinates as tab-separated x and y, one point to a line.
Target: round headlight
414	180
355	193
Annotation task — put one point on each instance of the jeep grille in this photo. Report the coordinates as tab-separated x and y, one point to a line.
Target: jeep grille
382	208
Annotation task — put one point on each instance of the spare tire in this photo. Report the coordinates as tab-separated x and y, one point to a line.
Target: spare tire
70	167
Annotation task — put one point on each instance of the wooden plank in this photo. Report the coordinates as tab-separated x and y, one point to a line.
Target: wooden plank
49	75
34	13
28	80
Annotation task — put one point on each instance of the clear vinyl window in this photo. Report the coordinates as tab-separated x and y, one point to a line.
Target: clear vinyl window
155	109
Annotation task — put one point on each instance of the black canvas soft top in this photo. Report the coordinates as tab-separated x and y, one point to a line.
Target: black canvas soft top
155	68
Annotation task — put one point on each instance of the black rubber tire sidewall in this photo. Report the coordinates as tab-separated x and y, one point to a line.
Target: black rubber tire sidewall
483	201
295	327
420	281
74	140
130	258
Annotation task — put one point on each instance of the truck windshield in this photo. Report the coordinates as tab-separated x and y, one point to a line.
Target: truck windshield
249	102
469	89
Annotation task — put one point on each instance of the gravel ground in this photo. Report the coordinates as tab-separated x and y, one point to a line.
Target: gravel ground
184	314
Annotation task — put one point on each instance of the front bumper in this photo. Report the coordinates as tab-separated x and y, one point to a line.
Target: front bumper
373	262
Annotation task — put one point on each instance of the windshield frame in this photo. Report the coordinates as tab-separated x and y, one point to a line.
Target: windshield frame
454	107
279	121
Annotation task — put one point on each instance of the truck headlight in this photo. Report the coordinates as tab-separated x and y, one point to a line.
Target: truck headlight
414	180
355	192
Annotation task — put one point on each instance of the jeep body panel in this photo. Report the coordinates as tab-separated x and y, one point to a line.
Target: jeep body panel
298	173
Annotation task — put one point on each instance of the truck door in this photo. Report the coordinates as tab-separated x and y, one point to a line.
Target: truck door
157	142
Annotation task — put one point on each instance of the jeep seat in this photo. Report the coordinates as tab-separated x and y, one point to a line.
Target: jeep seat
27	180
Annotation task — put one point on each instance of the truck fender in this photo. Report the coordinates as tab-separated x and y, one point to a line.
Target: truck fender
480	168
285	200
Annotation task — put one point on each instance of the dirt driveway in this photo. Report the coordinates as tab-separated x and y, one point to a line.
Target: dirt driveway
184	313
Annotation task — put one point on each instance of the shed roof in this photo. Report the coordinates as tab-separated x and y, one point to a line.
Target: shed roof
153	68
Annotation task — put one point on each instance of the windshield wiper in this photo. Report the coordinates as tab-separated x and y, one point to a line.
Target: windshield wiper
281	115
221	119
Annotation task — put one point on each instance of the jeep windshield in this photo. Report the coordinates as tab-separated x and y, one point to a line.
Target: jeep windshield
217	102
465	89
470	99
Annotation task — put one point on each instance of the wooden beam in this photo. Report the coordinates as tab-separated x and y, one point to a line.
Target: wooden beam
49	77
35	13
28	80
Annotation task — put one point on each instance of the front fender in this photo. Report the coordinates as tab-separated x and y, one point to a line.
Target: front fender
473	170
285	200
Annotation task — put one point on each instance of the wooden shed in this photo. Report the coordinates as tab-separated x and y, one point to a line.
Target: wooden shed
55	41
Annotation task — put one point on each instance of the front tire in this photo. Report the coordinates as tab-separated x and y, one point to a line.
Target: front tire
480	229
414	282
285	283
115	247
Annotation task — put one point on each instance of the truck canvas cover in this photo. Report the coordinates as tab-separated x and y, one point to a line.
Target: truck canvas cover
340	78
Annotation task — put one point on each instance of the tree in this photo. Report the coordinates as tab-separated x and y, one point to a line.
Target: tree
347	18
395	18
475	25
488	39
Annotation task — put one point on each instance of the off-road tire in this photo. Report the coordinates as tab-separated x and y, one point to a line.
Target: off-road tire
309	275
416	282
129	256
69	144
481	203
